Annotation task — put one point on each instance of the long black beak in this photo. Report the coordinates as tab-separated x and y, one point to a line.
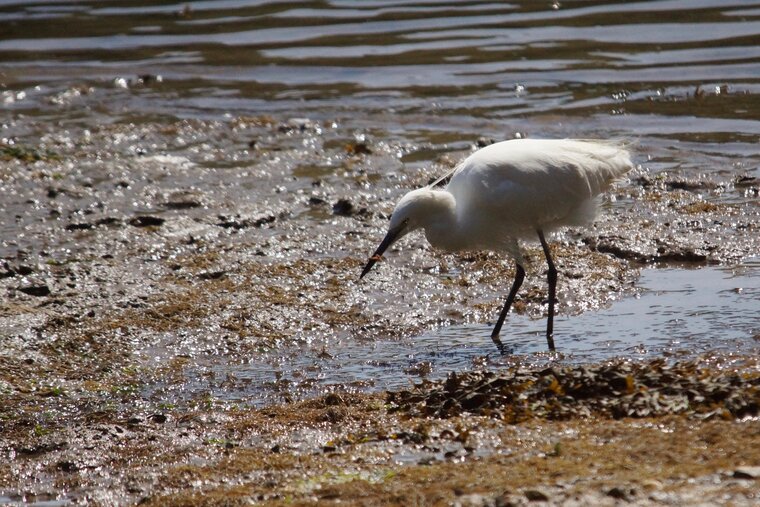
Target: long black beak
388	240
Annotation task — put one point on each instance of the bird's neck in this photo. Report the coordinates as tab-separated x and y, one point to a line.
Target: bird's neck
442	229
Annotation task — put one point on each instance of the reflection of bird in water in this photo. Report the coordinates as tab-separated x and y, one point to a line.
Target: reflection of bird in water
518	189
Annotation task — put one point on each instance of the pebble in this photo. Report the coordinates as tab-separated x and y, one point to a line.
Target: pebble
358	148
536	495
343	208
621	493
38	290
79	226
747	472
7	270
183	200
212	275
158	418
146	221
295	124
651	484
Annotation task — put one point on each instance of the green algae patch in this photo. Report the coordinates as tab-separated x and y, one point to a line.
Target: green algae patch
26	154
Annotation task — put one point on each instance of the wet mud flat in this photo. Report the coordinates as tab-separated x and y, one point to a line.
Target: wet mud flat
145	266
651	434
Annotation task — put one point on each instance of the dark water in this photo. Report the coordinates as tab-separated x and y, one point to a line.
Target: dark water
464	68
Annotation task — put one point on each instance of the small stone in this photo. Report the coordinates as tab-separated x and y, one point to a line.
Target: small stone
747	472
535	495
67	466
108	221
146	221
344	208
6	271
333	399
78	227
651	484
38	290
183	200
212	275
262	221
295	124
147	79
358	148
24	270
158	418
745	181
619	493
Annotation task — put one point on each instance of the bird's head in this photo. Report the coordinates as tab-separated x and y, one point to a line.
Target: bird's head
413	211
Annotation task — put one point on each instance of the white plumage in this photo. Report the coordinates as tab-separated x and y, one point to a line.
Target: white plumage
518	189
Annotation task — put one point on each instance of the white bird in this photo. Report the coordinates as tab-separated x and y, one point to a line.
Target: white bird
514	190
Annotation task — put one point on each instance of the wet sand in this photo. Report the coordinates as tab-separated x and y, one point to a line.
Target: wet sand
151	263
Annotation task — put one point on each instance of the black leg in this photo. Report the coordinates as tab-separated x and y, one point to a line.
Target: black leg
519	277
552	290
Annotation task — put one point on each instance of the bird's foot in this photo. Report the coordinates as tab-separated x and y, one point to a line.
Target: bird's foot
503	350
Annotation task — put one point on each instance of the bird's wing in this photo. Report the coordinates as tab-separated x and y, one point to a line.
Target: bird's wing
522	185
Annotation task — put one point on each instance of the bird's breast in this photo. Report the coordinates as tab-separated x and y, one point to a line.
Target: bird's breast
445	238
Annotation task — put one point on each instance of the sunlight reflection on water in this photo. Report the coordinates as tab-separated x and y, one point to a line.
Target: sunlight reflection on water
678	314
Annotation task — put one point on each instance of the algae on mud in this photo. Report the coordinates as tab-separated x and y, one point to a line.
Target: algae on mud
187	195
614	390
353	448
115	376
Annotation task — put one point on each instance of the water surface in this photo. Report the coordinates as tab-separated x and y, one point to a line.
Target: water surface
550	69
676	314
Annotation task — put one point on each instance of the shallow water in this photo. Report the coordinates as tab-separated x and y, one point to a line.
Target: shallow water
676	314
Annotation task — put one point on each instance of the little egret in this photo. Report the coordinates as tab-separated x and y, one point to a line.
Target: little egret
514	190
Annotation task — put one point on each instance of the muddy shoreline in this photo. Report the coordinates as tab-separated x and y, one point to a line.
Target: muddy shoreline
142	264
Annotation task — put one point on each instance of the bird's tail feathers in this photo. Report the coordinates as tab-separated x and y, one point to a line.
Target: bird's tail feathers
615	161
